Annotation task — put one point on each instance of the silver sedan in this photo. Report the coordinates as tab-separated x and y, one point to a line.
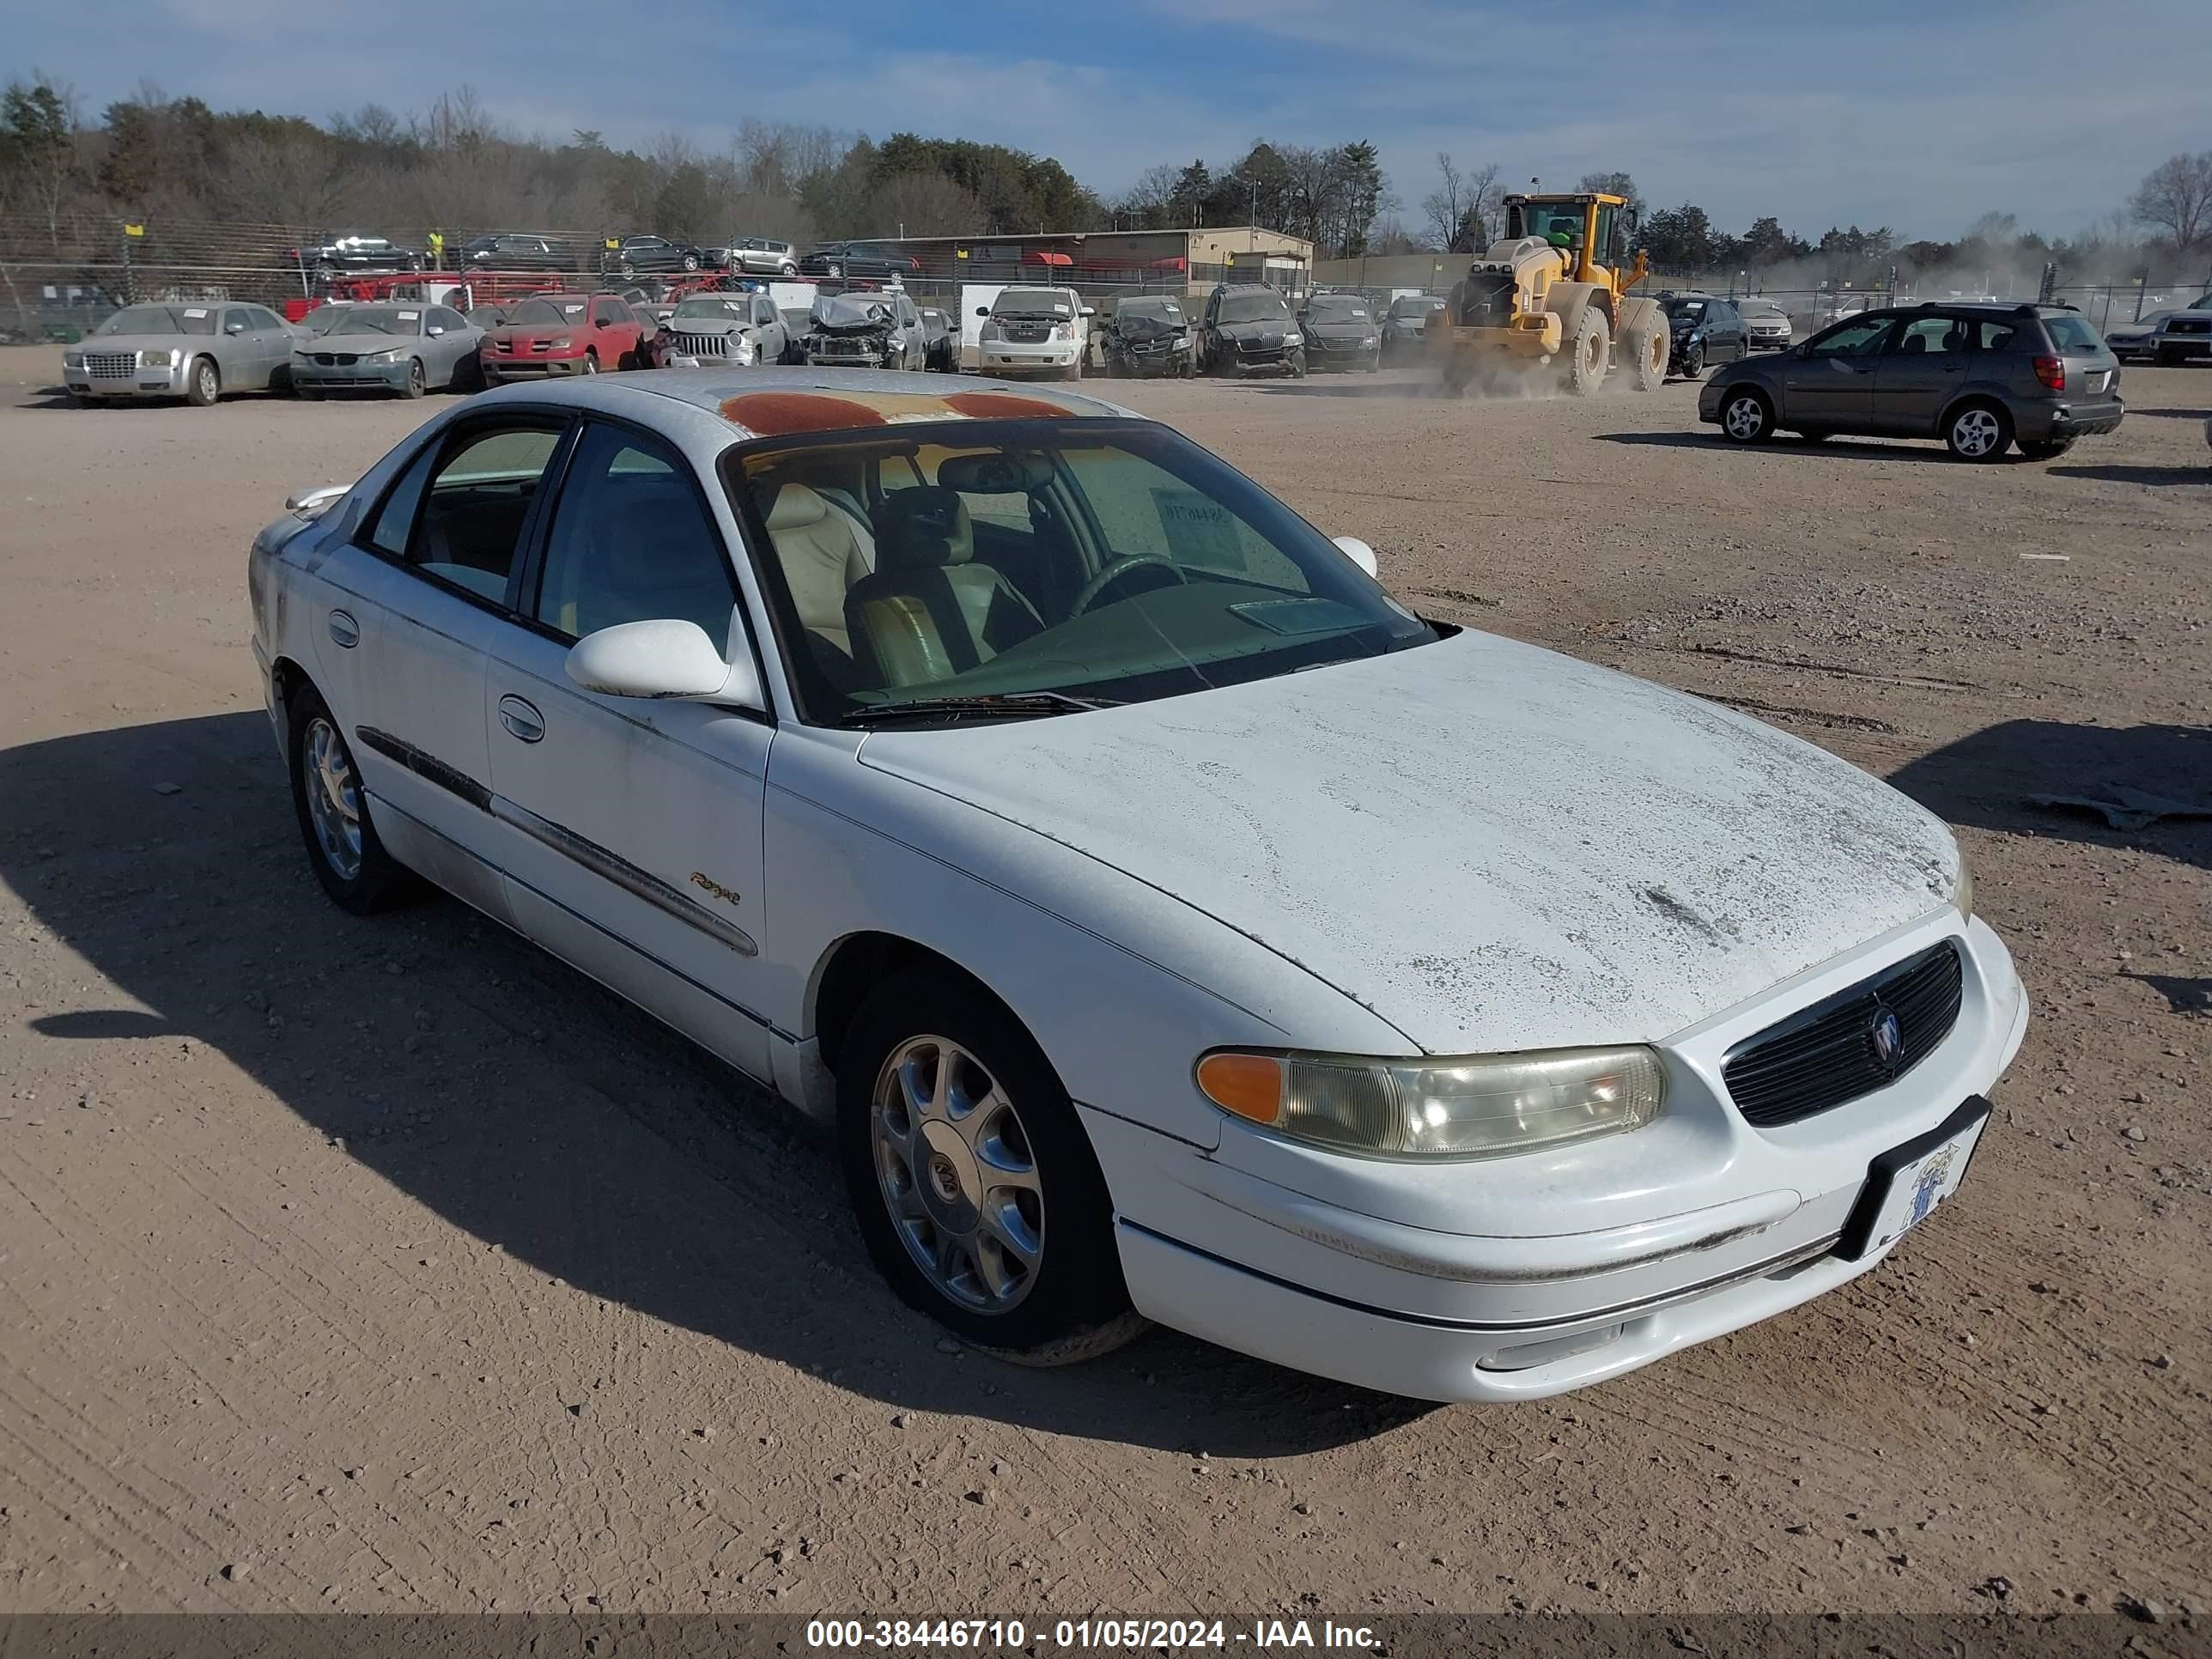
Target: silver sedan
196	352
407	348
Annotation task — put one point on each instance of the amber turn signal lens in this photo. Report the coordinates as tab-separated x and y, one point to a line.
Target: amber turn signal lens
1250	1085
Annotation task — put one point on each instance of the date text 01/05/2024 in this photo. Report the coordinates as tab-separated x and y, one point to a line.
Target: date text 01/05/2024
998	1635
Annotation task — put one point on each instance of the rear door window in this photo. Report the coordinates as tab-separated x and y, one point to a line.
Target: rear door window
478	500
1929	337
1991	336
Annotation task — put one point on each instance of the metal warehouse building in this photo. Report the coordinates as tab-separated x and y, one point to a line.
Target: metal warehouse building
1185	261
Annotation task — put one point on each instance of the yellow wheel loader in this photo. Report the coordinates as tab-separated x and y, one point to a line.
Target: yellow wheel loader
1550	301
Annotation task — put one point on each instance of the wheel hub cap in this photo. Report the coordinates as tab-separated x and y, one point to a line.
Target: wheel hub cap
957	1174
333	800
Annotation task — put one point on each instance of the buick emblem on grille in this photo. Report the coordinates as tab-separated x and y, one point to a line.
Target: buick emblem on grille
1886	1037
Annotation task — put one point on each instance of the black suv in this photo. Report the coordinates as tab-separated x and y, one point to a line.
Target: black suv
635	253
509	250
1248	328
1979	377
851	260
352	254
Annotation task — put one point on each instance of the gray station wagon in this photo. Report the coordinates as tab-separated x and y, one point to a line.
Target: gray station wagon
1979	377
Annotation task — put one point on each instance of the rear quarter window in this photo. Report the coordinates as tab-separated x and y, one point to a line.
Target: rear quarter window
2070	333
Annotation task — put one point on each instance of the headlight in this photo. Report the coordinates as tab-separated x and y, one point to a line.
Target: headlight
158	359
990	331
1292	339
391	356
1368	340
1482	1106
745	351
1064	332
1962	892
72	359
561	344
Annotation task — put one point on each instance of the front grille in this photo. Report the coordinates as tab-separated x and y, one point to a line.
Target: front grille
1824	1055
1487	300
111	365
701	345
1028	333
2189	325
336	359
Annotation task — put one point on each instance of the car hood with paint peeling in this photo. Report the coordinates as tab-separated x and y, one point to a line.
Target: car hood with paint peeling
1491	846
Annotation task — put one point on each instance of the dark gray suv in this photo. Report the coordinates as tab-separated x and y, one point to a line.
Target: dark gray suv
1979	377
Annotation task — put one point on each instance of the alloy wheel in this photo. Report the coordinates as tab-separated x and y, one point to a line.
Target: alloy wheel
1744	418
333	799
954	1165
1975	432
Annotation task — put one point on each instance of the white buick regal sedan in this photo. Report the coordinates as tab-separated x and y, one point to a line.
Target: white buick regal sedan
1171	924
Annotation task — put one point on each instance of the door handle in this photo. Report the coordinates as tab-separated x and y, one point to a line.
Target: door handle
344	631
521	719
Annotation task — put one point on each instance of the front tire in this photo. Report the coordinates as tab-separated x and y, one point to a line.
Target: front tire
343	847
1746	418
1693	362
203	383
690	262
1645	339
1977	432
591	362
975	1187
1589	353
417	381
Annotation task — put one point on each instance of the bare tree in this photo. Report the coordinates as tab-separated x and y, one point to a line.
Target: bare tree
1460	213
1445	205
287	179
2176	197
922	205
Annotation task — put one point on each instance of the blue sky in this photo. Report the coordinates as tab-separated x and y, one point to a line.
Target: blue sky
1918	115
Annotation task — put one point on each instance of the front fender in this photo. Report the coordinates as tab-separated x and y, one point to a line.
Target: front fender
1123	985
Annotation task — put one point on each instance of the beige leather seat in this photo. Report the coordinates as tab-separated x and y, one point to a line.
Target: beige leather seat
930	611
823	556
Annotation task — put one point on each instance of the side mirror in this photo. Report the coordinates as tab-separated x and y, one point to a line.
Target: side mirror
663	658
435	328
315	500
1355	550
1089	311
233	328
982	311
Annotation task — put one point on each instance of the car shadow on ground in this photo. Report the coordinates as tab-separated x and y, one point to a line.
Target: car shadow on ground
1785	443
531	1109
1986	781
2200	475
2174	414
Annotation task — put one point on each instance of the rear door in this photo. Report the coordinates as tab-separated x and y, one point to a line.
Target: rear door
1832	384
425	593
1919	372
2090	367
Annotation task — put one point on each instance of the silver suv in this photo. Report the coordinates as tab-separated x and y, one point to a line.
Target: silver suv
1979	377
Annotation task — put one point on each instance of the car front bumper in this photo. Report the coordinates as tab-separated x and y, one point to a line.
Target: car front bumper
348	377
1746	1223
1327	354
497	369
1775	340
1019	358
140	382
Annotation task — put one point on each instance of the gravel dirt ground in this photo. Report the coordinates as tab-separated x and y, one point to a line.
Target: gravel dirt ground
392	1266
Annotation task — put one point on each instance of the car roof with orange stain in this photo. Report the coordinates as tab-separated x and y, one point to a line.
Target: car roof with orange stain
775	403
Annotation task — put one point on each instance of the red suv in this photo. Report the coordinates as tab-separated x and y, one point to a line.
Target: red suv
564	334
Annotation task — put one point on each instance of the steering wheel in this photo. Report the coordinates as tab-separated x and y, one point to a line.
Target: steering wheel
1116	569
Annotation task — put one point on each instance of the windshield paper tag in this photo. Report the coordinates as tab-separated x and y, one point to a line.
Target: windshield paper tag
409	316
1200	530
195	311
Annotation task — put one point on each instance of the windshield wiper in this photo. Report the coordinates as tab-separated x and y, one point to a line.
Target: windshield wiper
993	703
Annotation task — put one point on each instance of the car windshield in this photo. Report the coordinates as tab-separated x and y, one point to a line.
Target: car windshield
378	320
1686	310
1550	220
1761	308
1108	560
536	312
1412	307
1335	308
160	319
1253	308
1166	310
706	305
1032	302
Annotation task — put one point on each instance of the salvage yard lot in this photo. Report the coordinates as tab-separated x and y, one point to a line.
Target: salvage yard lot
393	1267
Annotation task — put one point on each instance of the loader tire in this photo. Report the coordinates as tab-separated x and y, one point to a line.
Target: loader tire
1645	343
1589	353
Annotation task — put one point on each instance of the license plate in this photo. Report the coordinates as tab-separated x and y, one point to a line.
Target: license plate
1906	1184
2096	382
